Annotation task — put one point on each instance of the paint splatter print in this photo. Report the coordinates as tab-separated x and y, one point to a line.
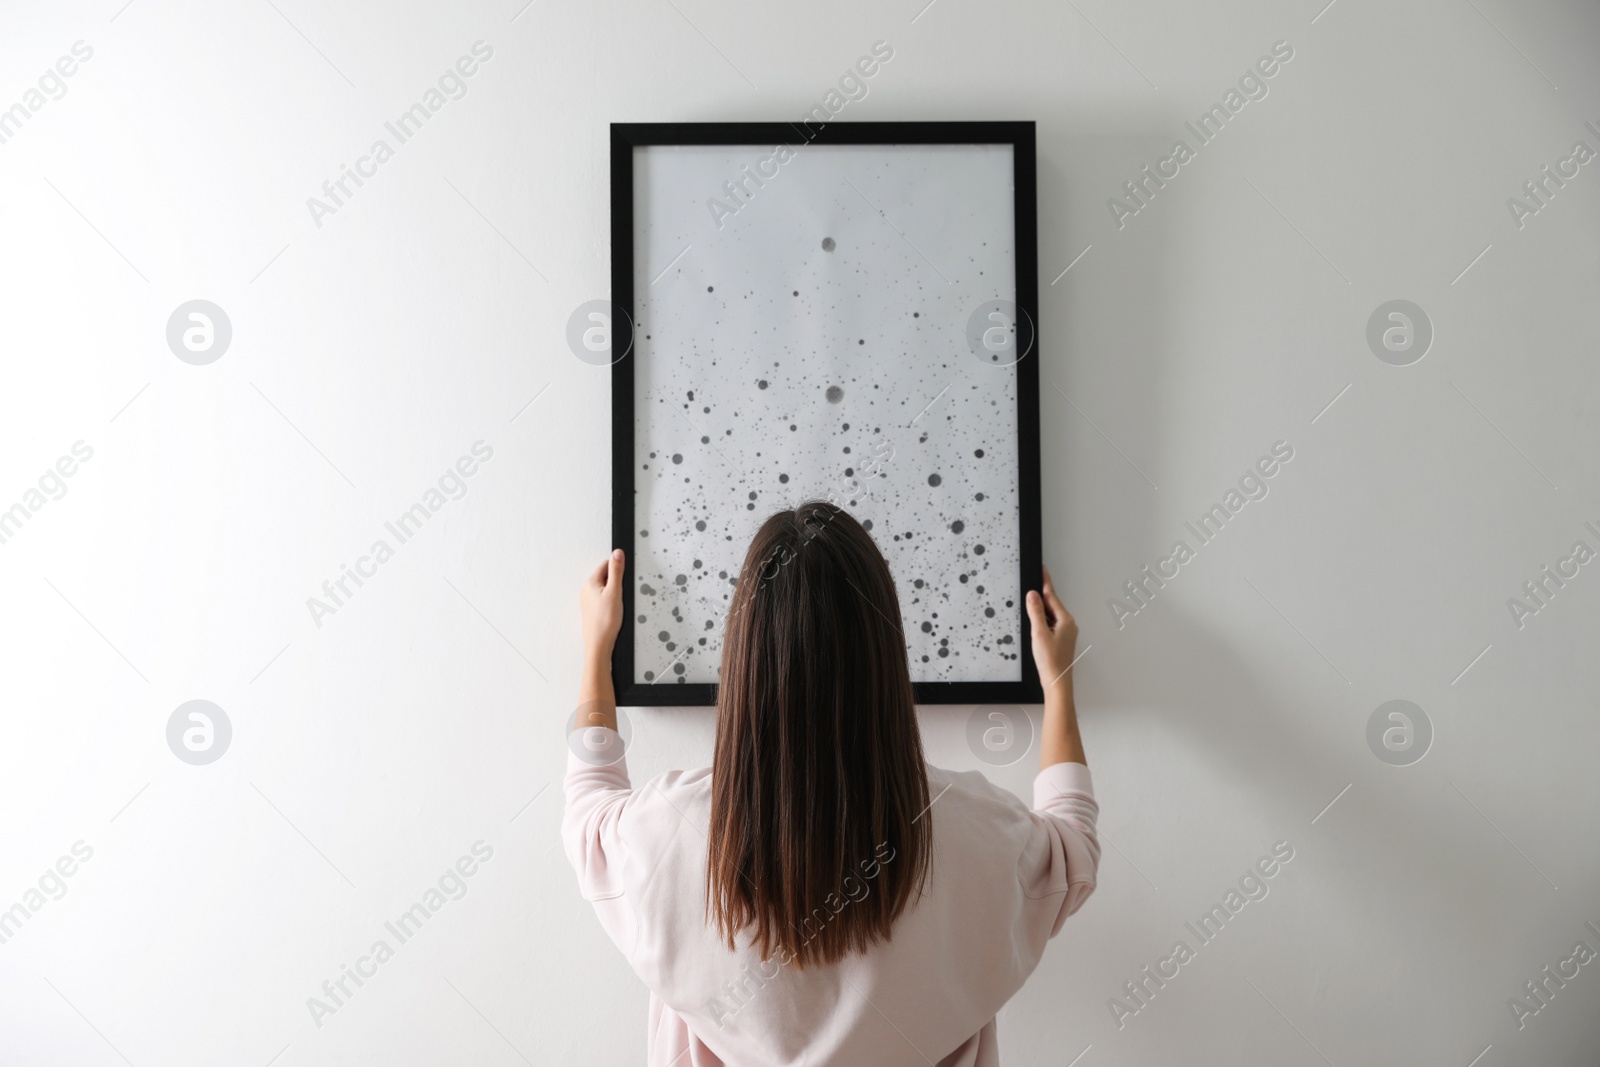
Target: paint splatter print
813	347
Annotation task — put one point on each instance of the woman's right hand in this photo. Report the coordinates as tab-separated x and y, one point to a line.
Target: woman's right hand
1055	635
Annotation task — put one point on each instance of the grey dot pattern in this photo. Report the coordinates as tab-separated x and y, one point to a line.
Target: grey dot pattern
814	348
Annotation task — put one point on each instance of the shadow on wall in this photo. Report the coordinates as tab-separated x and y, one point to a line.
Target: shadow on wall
1107	376
1107	367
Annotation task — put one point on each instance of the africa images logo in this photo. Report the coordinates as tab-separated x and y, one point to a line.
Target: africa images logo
1142	589
1253	886
452	85
1142	189
451	885
741	189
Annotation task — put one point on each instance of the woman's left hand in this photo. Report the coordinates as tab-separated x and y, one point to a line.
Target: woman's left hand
601	602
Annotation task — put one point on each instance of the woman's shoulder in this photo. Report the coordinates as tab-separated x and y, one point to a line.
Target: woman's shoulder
693	778
982	829
677	787
974	793
665	826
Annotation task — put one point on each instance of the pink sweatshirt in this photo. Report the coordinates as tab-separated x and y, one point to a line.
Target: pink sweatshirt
1002	881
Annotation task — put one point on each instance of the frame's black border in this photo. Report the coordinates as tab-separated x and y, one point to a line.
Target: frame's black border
625	136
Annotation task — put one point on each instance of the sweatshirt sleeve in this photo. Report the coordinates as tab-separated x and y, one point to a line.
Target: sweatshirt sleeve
1064	853
598	792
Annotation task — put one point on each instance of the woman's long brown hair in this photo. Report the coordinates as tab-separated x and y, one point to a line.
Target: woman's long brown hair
820	832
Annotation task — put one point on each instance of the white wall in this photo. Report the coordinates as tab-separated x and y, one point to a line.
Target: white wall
371	752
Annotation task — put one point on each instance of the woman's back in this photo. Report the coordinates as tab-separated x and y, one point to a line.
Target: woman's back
821	895
1001	881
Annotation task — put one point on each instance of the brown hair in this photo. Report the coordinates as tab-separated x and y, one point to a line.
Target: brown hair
820	833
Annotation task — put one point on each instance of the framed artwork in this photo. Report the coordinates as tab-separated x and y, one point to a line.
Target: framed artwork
839	311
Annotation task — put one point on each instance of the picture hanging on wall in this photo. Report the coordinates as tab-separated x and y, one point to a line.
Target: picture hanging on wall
839	311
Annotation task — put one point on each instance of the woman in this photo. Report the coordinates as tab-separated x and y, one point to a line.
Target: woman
821	895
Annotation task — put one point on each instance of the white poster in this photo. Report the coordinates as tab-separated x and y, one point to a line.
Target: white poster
802	318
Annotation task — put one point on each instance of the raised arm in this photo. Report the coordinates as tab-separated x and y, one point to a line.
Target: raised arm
1055	639
601	603
597	786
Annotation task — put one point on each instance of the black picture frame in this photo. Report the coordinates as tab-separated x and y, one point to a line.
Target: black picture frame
625	137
